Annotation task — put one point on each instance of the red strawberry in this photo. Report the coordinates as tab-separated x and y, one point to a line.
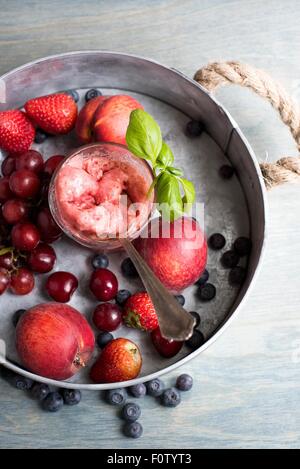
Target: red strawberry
16	131
166	348
55	113
120	360
139	312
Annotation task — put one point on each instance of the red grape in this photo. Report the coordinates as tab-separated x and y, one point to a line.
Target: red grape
4	280
22	281
42	258
24	183
107	317
61	286
166	348
6	261
14	210
104	284
31	160
5	191
25	236
49	230
52	163
8	165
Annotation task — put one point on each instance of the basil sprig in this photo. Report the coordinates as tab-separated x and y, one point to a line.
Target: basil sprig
175	194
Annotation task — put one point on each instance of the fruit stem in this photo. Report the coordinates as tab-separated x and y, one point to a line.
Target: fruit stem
78	362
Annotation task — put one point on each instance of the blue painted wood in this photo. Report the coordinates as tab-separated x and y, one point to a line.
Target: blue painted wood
246	391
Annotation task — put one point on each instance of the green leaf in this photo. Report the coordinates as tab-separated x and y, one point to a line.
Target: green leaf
189	193
165	157
6	250
174	171
168	196
143	136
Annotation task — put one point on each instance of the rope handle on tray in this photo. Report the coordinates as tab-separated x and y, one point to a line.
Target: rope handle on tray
222	73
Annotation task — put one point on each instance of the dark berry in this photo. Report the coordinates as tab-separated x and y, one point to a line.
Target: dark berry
138	390
22	383
122	296
53	402
93	93
230	259
203	279
40	391
74	94
196	340
104	338
128	269
71	396
104	284
100	261
194	128
107	317
242	246
216	241
155	387
171	397
237	275
207	292
180	299
133	430
226	171
17	315
184	382
131	412
40	136
197	318
116	396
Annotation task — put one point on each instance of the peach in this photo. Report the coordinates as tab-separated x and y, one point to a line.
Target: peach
85	118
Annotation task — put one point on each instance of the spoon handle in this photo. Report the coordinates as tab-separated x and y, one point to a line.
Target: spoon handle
174	321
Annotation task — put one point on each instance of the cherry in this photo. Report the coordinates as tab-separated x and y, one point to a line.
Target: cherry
25	236
24	183
22	281
14	210
107	317
166	348
42	259
31	160
104	284
49	230
61	286
6	260
4	280
5	191
52	163
8	165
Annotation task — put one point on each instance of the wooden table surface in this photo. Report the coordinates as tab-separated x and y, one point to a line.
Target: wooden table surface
247	391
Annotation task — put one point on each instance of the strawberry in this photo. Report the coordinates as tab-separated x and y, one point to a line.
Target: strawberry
55	113
139	312
120	360
16	131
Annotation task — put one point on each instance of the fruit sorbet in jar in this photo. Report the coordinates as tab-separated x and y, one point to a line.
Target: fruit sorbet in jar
99	193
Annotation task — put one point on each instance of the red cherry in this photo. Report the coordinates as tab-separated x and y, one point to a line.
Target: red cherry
22	281
4	280
14	210
8	165
107	317
25	236
52	163
31	160
104	284
5	191
6	261
61	286
24	183
42	258
49	230
166	348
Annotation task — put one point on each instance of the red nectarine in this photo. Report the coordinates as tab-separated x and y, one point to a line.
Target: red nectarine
85	118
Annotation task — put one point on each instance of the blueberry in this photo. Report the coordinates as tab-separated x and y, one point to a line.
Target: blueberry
171	397
133	430
17	315
53	402
22	383
71	396
184	382
230	259
216	241
180	299
237	275
40	391
242	246
128	269
74	94
196	340
93	93
122	296
116	396
100	261
40	136
207	292
194	128
104	338
131	412
203	279
138	390
197	318
226	171
155	387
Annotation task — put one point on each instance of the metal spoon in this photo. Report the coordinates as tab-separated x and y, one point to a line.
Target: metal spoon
174	321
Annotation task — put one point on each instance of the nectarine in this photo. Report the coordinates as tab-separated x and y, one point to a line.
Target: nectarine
84	123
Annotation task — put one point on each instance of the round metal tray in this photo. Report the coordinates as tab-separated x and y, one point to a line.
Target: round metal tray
235	208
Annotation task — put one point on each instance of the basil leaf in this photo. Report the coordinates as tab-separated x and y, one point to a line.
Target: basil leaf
165	157
174	171
143	136
168	196
189	193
